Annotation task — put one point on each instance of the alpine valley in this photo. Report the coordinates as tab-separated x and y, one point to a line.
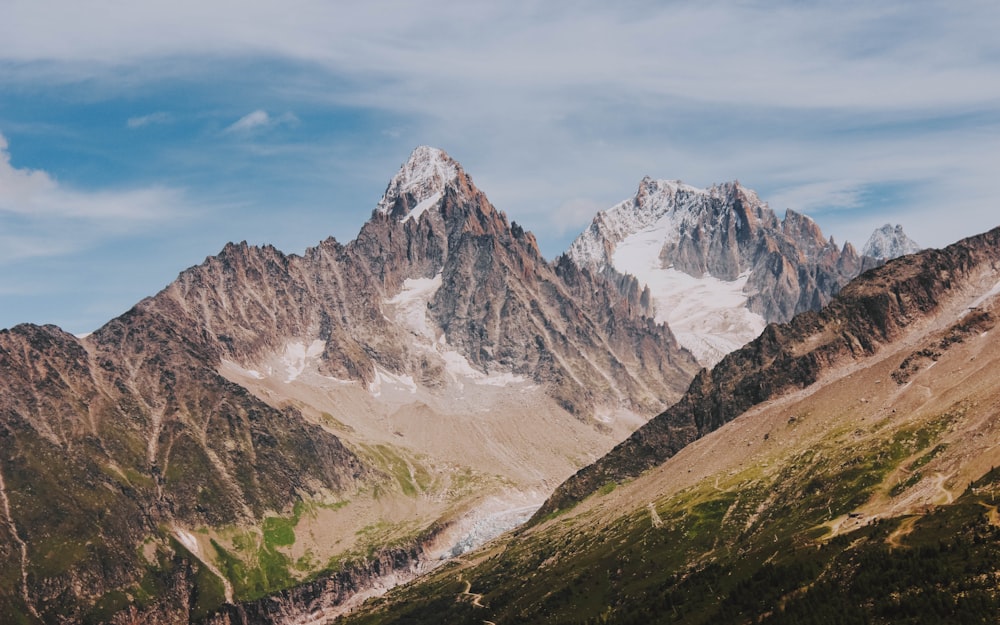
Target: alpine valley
840	468
275	438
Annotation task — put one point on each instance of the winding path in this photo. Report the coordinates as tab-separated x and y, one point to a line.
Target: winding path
894	539
939	480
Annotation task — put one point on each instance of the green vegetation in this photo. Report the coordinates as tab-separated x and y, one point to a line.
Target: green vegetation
257	570
157	580
756	549
255	564
411	476
335	423
279	531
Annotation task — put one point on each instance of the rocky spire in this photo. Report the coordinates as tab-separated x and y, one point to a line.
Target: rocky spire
419	184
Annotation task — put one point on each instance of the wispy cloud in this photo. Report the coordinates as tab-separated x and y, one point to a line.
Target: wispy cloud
261	119
856	112
40	217
159	117
250	121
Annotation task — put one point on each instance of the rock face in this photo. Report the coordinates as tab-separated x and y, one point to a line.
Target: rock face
890	242
718	262
866	314
192	446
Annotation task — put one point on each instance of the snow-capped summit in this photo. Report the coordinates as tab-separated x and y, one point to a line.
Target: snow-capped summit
718	263
890	242
420	182
653	200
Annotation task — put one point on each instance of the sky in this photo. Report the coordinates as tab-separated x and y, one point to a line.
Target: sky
137	138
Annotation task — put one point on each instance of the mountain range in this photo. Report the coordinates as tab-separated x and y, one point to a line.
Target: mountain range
272	435
840	468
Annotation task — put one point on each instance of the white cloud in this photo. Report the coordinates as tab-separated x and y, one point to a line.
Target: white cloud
261	119
519	90
849	55
809	197
159	117
250	121
40	217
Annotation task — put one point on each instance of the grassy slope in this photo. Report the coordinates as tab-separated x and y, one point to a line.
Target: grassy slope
853	503
701	566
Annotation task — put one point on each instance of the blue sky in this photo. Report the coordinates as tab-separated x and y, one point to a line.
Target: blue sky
138	138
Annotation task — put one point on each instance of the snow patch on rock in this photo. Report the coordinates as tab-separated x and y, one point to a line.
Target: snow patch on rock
990	294
410	304
189	541
409	308
659	204
424	175
387	381
298	355
420	208
890	242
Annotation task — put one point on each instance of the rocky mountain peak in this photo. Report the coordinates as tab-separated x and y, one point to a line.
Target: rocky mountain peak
718	262
890	242
656	197
420	183
806	232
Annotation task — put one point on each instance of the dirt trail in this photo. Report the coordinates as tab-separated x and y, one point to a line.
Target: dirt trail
894	539
939	480
476	597
992	514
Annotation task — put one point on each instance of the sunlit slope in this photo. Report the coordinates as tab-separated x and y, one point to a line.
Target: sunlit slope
864	496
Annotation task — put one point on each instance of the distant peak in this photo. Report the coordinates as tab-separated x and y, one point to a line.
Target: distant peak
421	181
653	185
890	242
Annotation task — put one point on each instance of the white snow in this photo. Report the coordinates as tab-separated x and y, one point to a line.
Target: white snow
992	293
489	527
461	370
419	209
296	356
889	242
189	541
250	373
655	200
500	379
385	380
410	309
707	315
411	303
490	518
